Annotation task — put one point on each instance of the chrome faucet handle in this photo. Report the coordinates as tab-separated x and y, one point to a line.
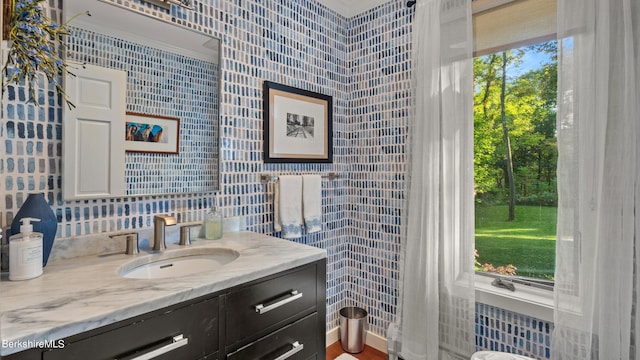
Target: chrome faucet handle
132	242
159	224
185	234
167	219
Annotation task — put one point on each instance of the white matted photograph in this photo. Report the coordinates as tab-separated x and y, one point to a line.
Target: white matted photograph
298	125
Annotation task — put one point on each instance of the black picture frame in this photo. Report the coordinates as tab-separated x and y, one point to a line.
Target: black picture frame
298	125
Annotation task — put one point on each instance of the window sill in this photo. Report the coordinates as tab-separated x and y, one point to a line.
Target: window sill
525	300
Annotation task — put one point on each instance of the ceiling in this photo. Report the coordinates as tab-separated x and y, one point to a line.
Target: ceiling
349	8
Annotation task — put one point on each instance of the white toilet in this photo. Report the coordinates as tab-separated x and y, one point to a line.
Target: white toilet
494	355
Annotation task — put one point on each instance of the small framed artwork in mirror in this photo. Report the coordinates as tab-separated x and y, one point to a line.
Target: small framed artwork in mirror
297	125
151	133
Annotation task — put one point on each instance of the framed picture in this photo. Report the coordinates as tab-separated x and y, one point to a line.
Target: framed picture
151	133
297	125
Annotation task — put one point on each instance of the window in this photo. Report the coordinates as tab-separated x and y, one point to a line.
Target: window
525	31
515	159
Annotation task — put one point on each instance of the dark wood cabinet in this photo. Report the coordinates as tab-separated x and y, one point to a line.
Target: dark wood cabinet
281	316
261	308
296	341
184	332
267	317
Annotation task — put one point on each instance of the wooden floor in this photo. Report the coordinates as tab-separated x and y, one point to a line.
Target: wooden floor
334	350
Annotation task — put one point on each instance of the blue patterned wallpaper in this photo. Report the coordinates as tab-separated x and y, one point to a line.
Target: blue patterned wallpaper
506	331
300	44
363	62
380	90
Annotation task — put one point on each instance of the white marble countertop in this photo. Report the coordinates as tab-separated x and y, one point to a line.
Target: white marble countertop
84	293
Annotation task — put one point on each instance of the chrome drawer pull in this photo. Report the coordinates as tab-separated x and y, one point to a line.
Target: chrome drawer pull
178	342
296	348
294	295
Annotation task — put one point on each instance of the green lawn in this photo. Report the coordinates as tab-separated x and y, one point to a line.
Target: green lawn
528	242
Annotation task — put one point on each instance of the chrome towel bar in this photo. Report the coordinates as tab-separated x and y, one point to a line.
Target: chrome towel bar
265	178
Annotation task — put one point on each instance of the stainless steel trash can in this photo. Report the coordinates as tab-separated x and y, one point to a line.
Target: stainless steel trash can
352	332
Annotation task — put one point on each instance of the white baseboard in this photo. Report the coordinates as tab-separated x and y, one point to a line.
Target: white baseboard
332	335
374	340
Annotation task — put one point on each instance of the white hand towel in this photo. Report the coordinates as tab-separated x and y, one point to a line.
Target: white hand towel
288	206
312	202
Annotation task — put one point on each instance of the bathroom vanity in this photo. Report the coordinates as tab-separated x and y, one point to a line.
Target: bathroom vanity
267	303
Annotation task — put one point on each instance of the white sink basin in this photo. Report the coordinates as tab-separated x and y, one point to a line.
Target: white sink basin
176	263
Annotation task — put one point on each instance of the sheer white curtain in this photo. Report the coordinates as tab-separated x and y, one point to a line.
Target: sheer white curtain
436	304
598	243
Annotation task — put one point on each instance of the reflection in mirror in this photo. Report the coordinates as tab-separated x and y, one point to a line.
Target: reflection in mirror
171	72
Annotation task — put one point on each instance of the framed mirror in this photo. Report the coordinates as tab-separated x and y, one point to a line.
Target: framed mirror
172	78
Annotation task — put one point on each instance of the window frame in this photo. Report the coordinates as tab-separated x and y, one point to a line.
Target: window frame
526	300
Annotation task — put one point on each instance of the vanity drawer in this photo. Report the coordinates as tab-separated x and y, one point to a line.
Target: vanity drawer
263	307
293	342
197	323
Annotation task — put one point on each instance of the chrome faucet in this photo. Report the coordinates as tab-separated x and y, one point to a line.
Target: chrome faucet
131	241
159	223
185	234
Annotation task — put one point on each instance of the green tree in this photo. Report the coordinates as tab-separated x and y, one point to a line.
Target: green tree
505	137
515	109
486	132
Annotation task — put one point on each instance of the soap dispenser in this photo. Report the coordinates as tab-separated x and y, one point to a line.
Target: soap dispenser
25	252
213	222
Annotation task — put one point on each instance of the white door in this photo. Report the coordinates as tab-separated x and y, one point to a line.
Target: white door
94	134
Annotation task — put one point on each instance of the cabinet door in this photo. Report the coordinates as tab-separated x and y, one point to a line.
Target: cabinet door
31	354
294	342
261	308
94	133
189	332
